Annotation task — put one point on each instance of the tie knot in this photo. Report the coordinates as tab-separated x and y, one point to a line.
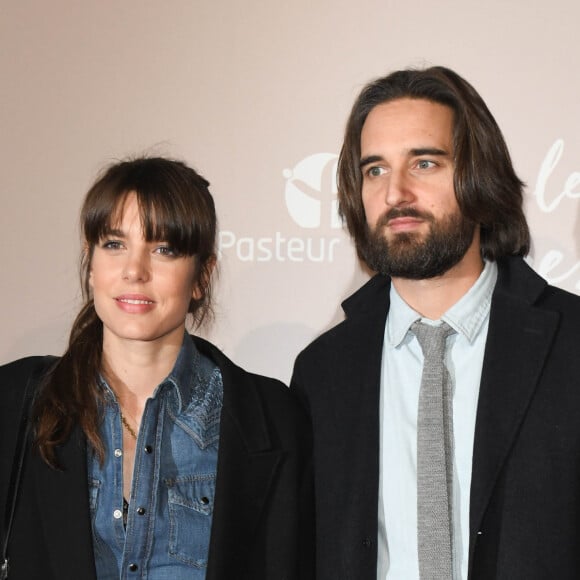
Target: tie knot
431	337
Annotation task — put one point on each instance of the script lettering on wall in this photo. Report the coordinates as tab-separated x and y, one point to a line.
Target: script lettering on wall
557	266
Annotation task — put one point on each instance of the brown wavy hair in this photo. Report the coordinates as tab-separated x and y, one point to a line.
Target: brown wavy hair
487	189
175	206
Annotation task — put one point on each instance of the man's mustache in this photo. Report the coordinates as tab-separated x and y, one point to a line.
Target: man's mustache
396	212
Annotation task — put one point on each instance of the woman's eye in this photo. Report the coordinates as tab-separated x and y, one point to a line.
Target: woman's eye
111	245
166	251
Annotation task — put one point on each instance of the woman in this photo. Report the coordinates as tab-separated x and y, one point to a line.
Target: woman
151	454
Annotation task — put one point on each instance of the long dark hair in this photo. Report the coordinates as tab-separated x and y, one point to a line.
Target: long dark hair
175	206
488	191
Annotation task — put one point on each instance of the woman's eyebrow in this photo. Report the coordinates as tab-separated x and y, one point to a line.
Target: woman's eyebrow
114	232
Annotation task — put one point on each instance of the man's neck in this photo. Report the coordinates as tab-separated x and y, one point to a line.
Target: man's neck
434	296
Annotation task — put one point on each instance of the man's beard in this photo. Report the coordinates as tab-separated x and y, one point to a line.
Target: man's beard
414	256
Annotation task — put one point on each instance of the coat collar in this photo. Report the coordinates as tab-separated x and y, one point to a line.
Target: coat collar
370	298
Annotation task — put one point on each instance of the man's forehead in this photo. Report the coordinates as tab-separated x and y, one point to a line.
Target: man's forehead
411	125
416	111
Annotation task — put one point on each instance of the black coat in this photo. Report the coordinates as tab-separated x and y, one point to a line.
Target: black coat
262	524
525	491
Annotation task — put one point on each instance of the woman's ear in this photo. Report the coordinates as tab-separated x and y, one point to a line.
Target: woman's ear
86	259
203	280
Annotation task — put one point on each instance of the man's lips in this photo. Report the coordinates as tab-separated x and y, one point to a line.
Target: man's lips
404	221
398	220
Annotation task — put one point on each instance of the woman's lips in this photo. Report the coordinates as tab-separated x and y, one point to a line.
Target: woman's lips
134	303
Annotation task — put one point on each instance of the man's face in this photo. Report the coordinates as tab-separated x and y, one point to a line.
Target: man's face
416	229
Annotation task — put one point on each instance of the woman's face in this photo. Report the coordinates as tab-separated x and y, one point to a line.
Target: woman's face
141	289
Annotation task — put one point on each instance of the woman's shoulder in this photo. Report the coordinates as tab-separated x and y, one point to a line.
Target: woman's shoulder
230	370
25	365
20	367
239	383
15	374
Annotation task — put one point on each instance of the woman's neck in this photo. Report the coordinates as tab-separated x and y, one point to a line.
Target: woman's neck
134	369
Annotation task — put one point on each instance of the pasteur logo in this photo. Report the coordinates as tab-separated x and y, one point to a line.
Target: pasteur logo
310	191
310	196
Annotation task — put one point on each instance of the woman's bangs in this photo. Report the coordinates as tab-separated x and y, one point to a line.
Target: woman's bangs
164	220
165	216
103	217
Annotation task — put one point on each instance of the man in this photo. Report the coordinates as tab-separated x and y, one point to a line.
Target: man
429	194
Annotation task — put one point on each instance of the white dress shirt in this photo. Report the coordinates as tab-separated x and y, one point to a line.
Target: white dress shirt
402	366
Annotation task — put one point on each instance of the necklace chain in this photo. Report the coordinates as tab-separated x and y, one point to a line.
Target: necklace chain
127	426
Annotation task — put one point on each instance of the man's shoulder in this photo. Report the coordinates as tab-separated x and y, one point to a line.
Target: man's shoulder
369	304
562	299
518	279
371	296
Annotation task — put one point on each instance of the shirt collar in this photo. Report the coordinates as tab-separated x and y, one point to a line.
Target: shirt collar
182	376
466	316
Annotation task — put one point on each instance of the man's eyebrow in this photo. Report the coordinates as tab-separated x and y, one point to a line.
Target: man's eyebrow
370	159
428	151
417	152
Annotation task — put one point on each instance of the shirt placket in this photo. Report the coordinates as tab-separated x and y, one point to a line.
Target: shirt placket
142	507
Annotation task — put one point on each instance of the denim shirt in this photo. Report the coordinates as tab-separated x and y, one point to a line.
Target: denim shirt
172	494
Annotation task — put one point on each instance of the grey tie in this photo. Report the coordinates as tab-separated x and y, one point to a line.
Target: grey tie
434	456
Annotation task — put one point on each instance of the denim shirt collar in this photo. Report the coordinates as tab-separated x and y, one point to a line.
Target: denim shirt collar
466	316
181	379
191	373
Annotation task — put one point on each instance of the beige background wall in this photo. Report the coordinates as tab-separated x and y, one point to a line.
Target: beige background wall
255	95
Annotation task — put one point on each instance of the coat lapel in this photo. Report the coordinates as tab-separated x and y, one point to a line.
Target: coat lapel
352	409
63	497
518	342
351	404
247	464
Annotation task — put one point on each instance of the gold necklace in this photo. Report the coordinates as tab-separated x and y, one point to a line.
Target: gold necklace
127	426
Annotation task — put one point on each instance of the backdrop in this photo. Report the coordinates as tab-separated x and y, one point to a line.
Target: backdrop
255	95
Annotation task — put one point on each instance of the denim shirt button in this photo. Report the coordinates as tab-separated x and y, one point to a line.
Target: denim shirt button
133	567
117	514
141	511
148	449
118	452
204	500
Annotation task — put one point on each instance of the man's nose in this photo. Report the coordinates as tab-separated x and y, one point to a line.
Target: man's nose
398	189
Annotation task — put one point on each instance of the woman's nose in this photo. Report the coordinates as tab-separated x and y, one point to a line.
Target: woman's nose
137	267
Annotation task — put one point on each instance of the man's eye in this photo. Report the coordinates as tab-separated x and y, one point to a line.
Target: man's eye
375	171
425	164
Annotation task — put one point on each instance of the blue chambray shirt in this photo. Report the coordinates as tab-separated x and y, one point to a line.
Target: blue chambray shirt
172	496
